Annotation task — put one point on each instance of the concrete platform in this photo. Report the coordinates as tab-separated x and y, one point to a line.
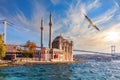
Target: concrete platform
40	62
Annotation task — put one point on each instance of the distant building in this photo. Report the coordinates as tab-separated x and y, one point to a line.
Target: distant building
13	51
10	48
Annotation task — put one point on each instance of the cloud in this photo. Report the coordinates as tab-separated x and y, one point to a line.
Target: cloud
73	25
76	25
75	15
28	25
55	1
107	16
93	5
32	25
116	3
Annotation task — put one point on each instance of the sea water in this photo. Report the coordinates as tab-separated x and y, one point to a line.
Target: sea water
77	71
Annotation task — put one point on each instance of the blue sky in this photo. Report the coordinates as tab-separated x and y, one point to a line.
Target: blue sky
68	19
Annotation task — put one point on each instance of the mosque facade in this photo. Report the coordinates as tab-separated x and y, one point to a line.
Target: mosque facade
60	49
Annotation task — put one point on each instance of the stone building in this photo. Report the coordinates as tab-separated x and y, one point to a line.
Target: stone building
60	49
64	46
13	51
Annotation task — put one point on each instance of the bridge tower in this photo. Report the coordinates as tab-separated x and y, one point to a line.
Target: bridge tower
113	49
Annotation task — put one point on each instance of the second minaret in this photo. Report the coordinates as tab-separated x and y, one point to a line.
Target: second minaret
41	33
50	32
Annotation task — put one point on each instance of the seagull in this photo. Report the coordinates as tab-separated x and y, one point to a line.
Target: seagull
91	23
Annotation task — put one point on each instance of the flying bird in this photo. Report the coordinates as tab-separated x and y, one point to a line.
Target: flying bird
91	23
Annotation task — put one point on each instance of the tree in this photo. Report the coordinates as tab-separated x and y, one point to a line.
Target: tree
31	46
2	47
26	53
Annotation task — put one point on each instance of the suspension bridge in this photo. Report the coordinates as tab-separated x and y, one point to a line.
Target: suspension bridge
111	50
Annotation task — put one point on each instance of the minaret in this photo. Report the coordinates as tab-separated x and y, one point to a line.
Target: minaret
41	33
50	32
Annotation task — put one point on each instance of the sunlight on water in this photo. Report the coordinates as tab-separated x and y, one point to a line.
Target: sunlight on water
79	71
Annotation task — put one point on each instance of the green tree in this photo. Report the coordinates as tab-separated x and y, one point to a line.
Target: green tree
26	53
2	47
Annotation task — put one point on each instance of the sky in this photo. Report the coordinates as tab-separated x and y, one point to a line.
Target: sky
68	20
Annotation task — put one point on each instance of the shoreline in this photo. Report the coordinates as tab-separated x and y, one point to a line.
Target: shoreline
40	63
